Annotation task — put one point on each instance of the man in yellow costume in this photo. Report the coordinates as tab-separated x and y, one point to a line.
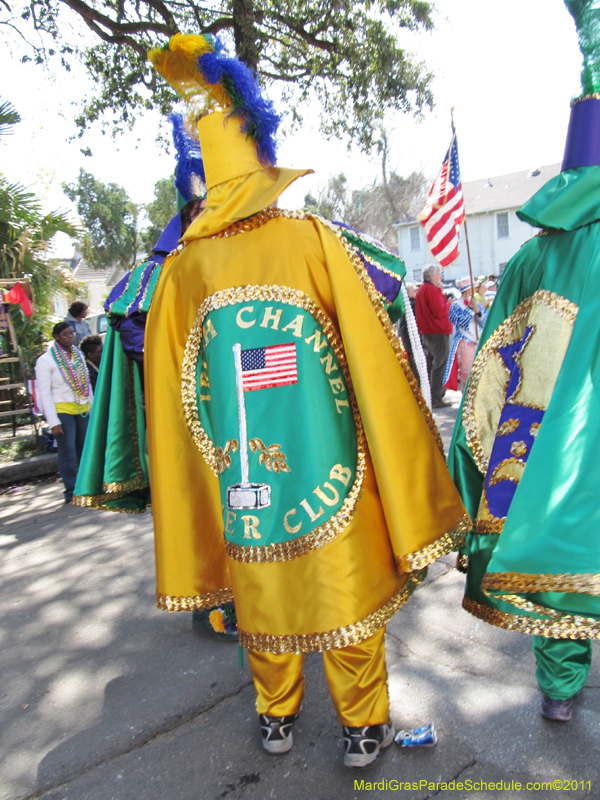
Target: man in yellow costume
294	465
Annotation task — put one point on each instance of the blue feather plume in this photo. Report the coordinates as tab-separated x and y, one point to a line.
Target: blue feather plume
260	120
189	159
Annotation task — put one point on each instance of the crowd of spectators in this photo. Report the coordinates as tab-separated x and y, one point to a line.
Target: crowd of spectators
449	319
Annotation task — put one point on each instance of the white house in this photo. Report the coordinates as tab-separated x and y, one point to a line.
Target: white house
495	231
95	285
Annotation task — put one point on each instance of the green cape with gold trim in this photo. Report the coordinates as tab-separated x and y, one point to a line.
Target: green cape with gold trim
525	449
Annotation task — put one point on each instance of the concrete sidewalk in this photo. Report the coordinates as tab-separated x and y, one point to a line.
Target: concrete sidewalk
103	697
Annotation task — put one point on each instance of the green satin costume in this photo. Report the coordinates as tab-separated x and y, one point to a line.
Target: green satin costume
524	450
113	474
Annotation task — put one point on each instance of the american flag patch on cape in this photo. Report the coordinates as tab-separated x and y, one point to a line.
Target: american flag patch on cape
263	367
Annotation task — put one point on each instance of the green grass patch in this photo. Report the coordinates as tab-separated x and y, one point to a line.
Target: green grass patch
17	449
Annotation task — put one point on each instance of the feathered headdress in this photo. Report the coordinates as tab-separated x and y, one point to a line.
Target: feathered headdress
586	14
198	69
190	179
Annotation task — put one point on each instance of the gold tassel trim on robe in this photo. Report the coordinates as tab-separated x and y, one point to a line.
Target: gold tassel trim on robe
98	502
340	637
522	583
447	543
199	602
557	626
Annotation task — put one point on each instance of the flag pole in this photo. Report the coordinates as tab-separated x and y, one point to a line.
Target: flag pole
245	494
467	241
237	355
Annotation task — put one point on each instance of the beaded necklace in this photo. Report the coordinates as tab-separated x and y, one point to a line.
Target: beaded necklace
73	373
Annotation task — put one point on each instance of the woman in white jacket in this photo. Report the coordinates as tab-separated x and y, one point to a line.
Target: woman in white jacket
65	396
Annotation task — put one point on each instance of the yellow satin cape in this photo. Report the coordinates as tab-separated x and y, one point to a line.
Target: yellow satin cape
409	512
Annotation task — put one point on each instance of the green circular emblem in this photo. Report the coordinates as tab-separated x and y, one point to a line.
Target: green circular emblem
269	402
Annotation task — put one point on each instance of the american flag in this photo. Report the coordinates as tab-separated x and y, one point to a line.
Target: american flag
263	367
444	210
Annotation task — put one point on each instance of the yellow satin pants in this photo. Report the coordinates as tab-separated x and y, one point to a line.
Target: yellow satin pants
356	676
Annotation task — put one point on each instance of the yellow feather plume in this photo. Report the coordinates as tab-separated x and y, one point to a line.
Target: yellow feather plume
177	64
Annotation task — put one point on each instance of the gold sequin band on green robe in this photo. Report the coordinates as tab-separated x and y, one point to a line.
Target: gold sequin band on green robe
525	449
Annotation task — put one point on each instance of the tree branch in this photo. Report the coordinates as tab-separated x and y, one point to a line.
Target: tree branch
16	30
119	29
307	37
279	76
220	24
106	37
164	12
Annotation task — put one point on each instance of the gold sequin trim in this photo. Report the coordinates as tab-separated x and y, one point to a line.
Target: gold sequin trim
328	531
149	281
98	501
503	335
496	477
593	96
462	562
139	264
377	265
485	526
199	602
379	246
447	543
523	583
122	487
387	326
558	626
271	456
549	232
250	223
338	638
507	427
518	449
222	456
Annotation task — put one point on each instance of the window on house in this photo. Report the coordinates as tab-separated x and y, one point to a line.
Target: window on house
415	238
417	275
502	267
502	225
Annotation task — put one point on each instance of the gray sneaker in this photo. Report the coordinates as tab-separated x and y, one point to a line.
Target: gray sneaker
557	710
277	733
363	744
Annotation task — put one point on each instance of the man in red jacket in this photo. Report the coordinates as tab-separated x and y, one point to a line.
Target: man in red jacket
431	311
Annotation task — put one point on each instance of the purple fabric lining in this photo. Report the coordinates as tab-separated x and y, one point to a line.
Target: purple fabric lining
169	238
132	330
385	284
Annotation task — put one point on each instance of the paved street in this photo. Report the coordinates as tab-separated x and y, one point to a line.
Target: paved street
103	697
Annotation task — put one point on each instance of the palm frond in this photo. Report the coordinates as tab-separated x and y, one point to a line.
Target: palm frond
9	116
